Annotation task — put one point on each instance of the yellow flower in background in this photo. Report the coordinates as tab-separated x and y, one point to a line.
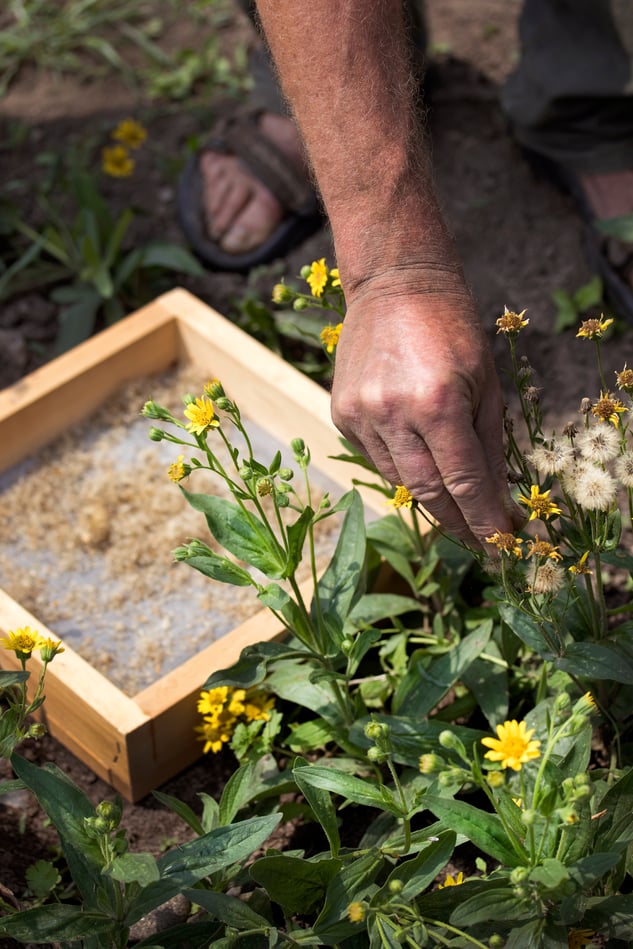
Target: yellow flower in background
513	746
581	939
539	503
607	409
116	161
452	880
130	133
177	472
336	279
594	329
22	641
215	732
511	323
257	707
506	542
317	277
581	566
330	336
356	912
402	497
211	701
201	416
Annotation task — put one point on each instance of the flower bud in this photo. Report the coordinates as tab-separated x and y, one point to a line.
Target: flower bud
224	404
451	742
376	755
561	702
110	811
452	776
528	816
300	304
264	487
283	500
347	645
286	474
376	731
495	779
49	649
496	941
305	271
430	763
36	730
153	410
519	875
568	815
156	434
395	886
214	389
281	293
245	472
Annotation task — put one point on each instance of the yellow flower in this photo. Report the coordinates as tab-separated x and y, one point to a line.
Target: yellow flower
177	471
130	133
330	335
581	939
581	566
49	648
116	161
539	503
594	329
336	279
513	746
452	880
607	409
356	912
506	542
586	704
511	323
215	731
317	278
402	497
542	548
201	416
22	641
211	702
495	779
257	707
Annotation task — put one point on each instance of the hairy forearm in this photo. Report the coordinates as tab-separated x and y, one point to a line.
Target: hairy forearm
345	69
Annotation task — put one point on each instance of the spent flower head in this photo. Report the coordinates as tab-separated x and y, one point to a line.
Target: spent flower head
514	746
595	489
546	578
608	409
553	458
598	443
49	648
177	471
624	469
543	549
506	542
511	323
624	379
594	329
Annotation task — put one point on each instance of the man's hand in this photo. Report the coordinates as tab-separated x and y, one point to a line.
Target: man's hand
416	392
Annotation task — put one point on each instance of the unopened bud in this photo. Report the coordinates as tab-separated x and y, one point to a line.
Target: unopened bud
36	730
286	474
281	293
519	875
214	389
156	434
300	304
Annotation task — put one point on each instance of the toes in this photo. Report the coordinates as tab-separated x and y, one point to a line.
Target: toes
254	224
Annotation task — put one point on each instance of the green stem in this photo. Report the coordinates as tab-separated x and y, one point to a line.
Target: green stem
453	929
406	820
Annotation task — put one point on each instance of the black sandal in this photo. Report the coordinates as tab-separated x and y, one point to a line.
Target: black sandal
240	136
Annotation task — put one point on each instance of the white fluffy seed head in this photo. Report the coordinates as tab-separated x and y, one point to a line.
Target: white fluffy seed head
549	577
624	469
595	489
599	443
553	459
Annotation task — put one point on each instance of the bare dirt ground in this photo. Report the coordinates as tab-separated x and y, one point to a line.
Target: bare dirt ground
520	240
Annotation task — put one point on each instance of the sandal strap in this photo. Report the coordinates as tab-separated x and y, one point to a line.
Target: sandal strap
240	136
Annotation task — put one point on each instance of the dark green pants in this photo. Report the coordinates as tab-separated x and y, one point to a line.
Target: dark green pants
571	95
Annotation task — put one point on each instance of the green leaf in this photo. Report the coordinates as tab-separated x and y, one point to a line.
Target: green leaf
77	322
42	877
192	935
337	588
492	902
482	828
604	660
488	682
418	873
550	873
250	668
171	257
322	807
215	566
589	295
8	678
134	868
347	786
310	735
298	885
355	882
56	923
8	787
384	933
620	227
296	539
526	629
229	910
611	915
181	809
589	869
373	607
425	683
186	865
245	536
243	785
67	806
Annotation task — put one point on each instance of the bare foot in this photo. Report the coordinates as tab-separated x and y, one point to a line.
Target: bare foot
241	212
